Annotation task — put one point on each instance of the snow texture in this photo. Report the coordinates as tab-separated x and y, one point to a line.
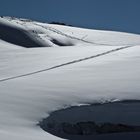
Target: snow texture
46	67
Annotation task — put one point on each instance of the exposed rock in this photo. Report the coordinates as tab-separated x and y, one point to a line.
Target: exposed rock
71	129
87	128
90	128
60	23
114	128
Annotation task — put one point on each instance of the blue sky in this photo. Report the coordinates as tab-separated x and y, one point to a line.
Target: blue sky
119	15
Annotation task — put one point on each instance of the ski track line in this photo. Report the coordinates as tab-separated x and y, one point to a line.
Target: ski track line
61	33
69	36
64	34
65	64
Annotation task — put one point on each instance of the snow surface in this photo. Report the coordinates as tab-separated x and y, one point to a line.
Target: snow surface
72	66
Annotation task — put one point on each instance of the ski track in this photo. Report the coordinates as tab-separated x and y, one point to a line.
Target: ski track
61	33
73	37
69	36
65	64
66	35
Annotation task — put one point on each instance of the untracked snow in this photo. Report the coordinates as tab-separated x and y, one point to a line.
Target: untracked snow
55	67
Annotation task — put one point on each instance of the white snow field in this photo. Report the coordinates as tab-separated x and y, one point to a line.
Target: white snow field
46	67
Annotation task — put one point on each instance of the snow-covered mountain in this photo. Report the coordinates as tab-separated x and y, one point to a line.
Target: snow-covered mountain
46	67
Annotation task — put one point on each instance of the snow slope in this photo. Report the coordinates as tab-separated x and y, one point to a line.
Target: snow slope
51	67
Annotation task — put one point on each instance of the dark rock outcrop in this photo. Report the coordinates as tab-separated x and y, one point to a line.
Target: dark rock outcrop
80	128
88	128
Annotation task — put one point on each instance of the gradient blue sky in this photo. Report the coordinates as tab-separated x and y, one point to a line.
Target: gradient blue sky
119	15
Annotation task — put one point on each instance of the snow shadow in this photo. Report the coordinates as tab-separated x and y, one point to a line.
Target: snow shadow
18	36
113	120
60	43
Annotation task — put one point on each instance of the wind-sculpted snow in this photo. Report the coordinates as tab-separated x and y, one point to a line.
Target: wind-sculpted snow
28	37
18	36
35	82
